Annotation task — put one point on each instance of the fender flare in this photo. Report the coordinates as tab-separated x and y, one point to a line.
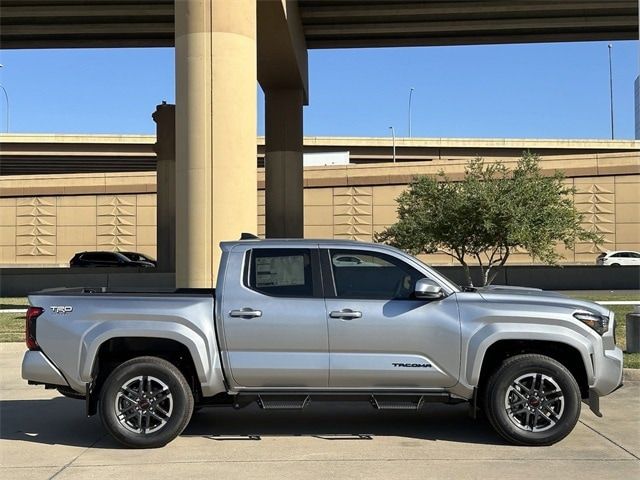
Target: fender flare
205	357
488	335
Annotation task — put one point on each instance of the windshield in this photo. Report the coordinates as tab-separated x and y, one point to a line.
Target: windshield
443	278
136	257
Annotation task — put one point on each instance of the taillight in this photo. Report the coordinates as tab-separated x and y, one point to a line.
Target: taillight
30	330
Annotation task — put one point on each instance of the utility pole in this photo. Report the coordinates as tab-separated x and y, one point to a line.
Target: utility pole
410	94
393	138
6	97
611	91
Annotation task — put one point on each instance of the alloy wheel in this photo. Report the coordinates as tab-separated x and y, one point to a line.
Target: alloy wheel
144	404
534	402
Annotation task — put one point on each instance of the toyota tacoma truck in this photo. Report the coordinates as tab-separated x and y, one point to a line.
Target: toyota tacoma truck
295	321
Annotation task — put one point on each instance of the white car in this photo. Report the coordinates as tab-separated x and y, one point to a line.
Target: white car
618	258
357	261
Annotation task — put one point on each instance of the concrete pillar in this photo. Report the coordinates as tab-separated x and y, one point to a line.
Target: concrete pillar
284	202
165	148
216	177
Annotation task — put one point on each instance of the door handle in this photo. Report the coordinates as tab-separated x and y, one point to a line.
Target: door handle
245	313
345	314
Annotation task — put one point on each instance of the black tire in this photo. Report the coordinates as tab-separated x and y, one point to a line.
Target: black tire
615	264
562	408
154	377
196	409
70	393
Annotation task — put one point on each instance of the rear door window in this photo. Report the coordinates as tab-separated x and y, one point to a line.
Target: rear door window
282	272
110	258
91	257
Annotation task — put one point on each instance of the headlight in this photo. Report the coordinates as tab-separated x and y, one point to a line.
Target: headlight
599	323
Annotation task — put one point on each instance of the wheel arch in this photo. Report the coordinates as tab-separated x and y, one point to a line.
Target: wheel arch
200	355
487	352
117	350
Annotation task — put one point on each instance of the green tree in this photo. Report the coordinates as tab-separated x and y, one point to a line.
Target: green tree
488	214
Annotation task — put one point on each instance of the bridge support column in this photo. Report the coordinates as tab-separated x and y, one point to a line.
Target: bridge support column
216	104
165	148
284	202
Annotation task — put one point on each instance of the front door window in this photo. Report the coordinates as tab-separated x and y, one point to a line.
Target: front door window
372	275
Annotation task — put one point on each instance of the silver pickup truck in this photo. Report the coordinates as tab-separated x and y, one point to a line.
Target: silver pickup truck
293	321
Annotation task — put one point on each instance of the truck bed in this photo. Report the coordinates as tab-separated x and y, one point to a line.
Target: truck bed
68	291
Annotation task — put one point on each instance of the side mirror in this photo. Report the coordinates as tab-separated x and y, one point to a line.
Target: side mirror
428	290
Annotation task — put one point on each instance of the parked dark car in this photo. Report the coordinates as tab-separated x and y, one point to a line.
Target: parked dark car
111	259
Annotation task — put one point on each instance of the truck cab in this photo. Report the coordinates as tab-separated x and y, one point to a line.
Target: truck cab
301	317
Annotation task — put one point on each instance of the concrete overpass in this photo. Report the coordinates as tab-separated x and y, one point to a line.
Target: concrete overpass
206	145
329	23
37	154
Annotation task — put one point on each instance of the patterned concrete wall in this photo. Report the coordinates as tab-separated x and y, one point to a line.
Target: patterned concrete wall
611	206
36	227
49	229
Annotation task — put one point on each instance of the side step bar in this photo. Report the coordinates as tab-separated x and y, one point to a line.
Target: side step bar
379	401
408	401
282	402
395	403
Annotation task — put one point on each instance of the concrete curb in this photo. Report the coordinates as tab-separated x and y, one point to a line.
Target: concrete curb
631	375
619	302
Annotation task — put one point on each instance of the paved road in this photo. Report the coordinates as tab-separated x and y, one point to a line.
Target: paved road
44	435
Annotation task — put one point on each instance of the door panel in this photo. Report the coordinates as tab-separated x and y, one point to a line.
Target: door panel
283	342
395	343
389	339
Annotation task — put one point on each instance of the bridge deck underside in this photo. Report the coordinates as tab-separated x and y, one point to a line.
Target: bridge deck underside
328	23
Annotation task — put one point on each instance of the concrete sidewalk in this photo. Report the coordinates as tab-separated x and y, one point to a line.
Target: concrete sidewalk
44	435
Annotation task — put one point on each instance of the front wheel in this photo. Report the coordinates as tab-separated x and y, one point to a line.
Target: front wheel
145	403
532	400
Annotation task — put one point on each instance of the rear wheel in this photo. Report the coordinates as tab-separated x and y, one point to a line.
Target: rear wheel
145	403
532	400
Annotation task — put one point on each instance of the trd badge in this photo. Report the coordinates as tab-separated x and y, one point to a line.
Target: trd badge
62	309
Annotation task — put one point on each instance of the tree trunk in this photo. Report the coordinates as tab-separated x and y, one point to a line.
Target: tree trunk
485	277
503	260
467	273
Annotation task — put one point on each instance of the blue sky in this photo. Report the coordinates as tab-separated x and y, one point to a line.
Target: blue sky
556	90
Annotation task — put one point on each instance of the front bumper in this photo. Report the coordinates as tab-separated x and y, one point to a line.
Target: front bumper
608	372
37	368
608	378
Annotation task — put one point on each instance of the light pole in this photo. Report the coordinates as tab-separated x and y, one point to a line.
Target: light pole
611	90
6	97
410	95
393	139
